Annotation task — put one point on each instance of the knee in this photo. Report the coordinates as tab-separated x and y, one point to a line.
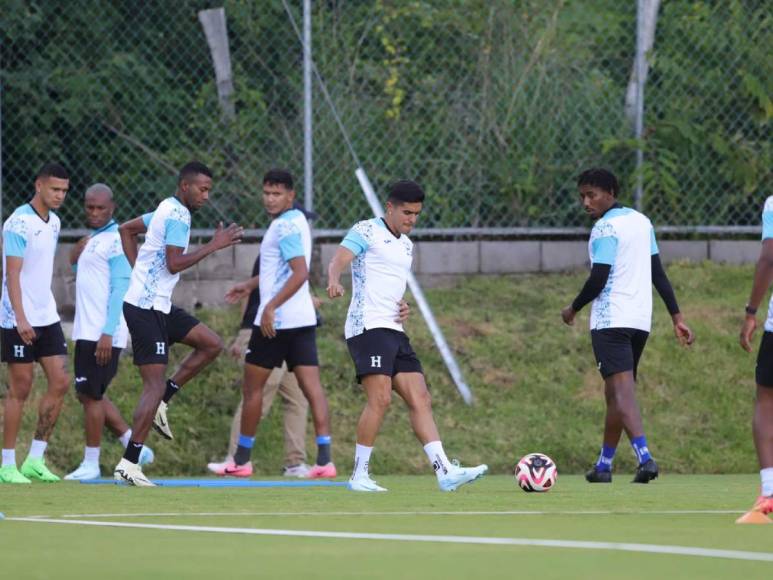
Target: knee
213	346
58	386
380	401
421	401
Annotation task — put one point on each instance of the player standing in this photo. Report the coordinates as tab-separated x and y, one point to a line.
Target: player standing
381	255
625	264
29	323
153	321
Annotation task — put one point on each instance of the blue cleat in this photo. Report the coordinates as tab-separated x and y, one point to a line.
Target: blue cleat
146	455
458	476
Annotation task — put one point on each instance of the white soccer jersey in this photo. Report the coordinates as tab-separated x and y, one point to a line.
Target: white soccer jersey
287	237
151	282
379	276
101	279
27	236
767	232
624	239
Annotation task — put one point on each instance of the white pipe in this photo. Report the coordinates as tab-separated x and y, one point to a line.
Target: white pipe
308	167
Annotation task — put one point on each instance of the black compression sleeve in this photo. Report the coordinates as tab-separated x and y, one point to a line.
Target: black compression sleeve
663	286
599	274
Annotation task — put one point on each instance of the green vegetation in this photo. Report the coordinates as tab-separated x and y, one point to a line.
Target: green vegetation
535	381
623	513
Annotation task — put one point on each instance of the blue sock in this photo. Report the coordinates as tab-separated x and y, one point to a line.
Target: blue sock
639	445
604	462
243	449
323	449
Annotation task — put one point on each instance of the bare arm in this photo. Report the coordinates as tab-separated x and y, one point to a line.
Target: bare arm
129	231
13	266
177	261
341	260
763	276
300	273
241	291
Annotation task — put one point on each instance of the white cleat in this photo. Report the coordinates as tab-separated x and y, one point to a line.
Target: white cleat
218	468
86	471
364	483
131	474
160	422
300	471
458	476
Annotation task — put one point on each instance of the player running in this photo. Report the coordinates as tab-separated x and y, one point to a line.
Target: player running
102	275
154	322
763	407
625	264
29	323
380	254
285	326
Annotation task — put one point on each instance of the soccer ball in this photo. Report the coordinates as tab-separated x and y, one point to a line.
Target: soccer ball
536	472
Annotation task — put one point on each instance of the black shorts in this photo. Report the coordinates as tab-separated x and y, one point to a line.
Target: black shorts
50	341
153	332
382	351
295	346
618	350
764	371
92	379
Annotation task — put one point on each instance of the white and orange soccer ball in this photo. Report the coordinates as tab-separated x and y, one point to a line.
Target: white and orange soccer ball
536	472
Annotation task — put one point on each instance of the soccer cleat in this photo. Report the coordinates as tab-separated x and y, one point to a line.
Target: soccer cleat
457	476
10	474
363	483
764	505
131	474
86	471
36	469
322	471
646	472
231	469
301	471
160	422
146	455
759	512
596	476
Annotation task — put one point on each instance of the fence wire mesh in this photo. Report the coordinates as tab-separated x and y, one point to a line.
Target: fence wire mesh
493	105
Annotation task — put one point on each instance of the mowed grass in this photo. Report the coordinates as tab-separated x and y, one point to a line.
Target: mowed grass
655	514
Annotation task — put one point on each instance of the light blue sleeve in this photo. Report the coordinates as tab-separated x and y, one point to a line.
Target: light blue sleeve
604	250
120	272
291	247
14	244
653	243
767	225
355	243
146	218
176	233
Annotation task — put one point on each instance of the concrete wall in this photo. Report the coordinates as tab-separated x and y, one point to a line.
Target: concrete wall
207	282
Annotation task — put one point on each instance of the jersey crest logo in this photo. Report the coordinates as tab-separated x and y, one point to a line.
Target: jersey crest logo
18	350
160	348
375	362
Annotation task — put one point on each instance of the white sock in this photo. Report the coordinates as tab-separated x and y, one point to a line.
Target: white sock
9	457
765	474
361	460
125	438
91	455
437	457
37	449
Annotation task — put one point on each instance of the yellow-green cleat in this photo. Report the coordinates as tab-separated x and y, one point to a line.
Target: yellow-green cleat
9	474
36	469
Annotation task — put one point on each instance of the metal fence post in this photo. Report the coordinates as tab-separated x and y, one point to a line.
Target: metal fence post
639	120
308	167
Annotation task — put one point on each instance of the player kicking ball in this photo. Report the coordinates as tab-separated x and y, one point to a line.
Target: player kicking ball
625	264
380	255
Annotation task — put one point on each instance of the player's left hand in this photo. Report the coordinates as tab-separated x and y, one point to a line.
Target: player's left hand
104	350
267	322
567	315
404	311
684	335
747	331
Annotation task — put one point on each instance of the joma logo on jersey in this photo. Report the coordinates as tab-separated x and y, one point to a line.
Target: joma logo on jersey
375	362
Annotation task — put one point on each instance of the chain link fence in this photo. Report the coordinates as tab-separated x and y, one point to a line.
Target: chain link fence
494	106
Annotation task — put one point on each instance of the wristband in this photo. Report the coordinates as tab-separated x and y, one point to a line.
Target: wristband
750	311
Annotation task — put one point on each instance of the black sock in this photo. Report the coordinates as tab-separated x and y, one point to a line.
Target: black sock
323	453
171	390
132	452
242	455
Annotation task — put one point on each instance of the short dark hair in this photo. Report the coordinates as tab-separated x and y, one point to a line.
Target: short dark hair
52	170
278	177
191	169
405	191
601	178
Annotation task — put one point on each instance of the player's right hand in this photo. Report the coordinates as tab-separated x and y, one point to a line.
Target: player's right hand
747	331
227	237
26	332
567	315
335	290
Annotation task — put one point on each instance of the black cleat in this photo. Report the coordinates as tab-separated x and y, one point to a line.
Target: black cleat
595	476
646	472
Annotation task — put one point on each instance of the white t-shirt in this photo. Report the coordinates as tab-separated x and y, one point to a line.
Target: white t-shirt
767	232
379	276
152	283
101	279
27	236
287	237
624	239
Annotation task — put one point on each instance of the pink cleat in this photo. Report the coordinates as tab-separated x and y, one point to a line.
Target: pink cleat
320	471
231	469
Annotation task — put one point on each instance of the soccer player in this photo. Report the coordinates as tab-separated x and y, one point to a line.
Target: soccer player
380	254
101	278
763	408
285	325
153	321
625	264
29	323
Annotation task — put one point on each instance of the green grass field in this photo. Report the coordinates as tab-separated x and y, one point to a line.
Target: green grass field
673	513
